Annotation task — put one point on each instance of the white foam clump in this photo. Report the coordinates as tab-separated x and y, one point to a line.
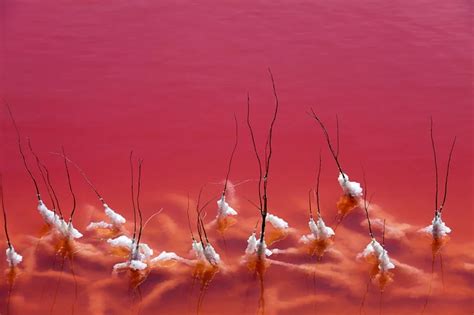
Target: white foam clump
438	228
352	188
319	231
66	229
116	220
99	225
132	264
211	255
139	257
121	241
254	246
277	222
374	248
165	256
13	258
205	253
223	208
198	250
144	251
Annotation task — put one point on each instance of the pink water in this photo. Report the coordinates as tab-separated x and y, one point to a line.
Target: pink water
164	79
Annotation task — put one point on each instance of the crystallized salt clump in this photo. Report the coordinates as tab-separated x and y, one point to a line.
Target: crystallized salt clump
352	188
276	222
211	255
374	248
320	230
13	258
255	247
223	208
165	256
116	220
66	229
438	228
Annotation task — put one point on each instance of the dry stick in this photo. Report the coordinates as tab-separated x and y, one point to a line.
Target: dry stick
328	140
199	226
383	234
232	155
446	179
256	154
38	195
337	136
435	164
4	214
70	187
133	197
88	181
309	202
138	201
189	221
268	158
317	185
366	205
41	166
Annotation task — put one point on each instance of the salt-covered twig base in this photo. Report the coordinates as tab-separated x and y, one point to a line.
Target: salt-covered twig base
438	231
380	264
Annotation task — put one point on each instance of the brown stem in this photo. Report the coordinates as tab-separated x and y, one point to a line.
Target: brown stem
38	195
232	155
70	186
4	213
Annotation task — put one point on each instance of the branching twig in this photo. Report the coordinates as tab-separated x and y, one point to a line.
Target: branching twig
232	155
38	195
4	214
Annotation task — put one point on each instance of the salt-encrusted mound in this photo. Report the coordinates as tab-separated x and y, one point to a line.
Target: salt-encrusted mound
223	208
352	188
13	258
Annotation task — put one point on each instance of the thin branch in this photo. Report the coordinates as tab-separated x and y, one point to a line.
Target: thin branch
383	233
138	201
337	136
43	176
256	154
328	140
268	158
366	205
317	185
189	221
309	202
4	213
435	163
88	181
133	197
447	174
232	154
70	186
199	226
38	195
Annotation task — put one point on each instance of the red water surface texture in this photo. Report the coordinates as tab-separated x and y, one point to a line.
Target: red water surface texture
164	78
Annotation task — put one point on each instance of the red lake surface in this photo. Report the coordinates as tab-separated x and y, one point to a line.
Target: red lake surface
164	78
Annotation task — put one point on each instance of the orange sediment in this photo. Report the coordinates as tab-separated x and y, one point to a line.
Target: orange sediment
346	203
275	235
319	247
107	233
381	277
137	277
11	274
205	272
223	223
65	247
438	243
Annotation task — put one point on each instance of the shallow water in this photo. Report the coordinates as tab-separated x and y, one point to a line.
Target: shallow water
164	79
